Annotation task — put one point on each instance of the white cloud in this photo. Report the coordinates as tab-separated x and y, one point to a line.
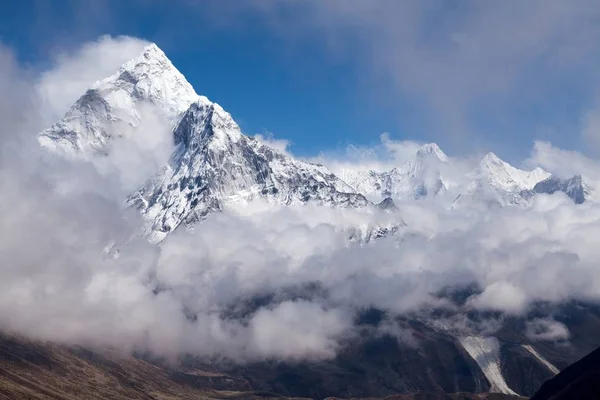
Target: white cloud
75	71
277	144
297	330
58	283
383	156
458	66
501	296
547	329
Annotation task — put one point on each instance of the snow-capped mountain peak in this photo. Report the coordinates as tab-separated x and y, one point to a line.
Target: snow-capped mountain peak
154	78
496	182
431	149
573	187
215	165
416	178
502	175
148	84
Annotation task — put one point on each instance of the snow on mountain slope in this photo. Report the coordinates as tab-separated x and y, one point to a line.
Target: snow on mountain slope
116	102
215	164
541	359
573	187
502	175
417	178
495	182
486	353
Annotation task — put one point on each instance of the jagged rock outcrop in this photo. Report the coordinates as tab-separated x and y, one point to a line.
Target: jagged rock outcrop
214	164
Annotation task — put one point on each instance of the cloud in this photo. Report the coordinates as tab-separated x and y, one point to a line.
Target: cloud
297	330
468	70
591	130
277	144
75	271
501	296
547	329
381	157
564	163
75	71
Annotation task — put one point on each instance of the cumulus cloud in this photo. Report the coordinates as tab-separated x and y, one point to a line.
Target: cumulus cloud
469	70
75	71
501	296
258	281
278	144
383	156
547	329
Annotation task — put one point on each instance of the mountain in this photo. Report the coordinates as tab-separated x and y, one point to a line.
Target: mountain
43	371
580	380
119	102
573	187
417	178
387	205
214	164
496	183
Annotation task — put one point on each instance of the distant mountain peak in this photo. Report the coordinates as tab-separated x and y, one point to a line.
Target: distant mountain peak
429	149
573	187
491	159
387	204
495	181
417	178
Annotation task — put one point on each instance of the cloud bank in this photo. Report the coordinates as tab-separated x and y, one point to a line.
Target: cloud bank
75	271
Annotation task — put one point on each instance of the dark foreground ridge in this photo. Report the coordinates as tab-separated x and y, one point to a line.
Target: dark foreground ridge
41	371
580	381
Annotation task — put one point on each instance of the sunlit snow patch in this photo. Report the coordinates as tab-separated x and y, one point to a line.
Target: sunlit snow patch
486	353
541	359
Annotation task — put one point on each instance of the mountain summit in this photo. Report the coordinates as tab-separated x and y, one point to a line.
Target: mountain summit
215	164
117	102
417	178
497	183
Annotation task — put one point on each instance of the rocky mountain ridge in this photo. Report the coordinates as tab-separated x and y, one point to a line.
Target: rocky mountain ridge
215	165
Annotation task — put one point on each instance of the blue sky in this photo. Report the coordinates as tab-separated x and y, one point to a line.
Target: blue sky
471	76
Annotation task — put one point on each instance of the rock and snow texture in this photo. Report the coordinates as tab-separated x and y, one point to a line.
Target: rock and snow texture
113	104
495	182
417	178
486	353
215	164
541	359
573	187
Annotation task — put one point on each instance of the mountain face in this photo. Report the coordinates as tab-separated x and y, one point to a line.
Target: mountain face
573	187
497	183
416	179
113	104
215	164
44	371
578	381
